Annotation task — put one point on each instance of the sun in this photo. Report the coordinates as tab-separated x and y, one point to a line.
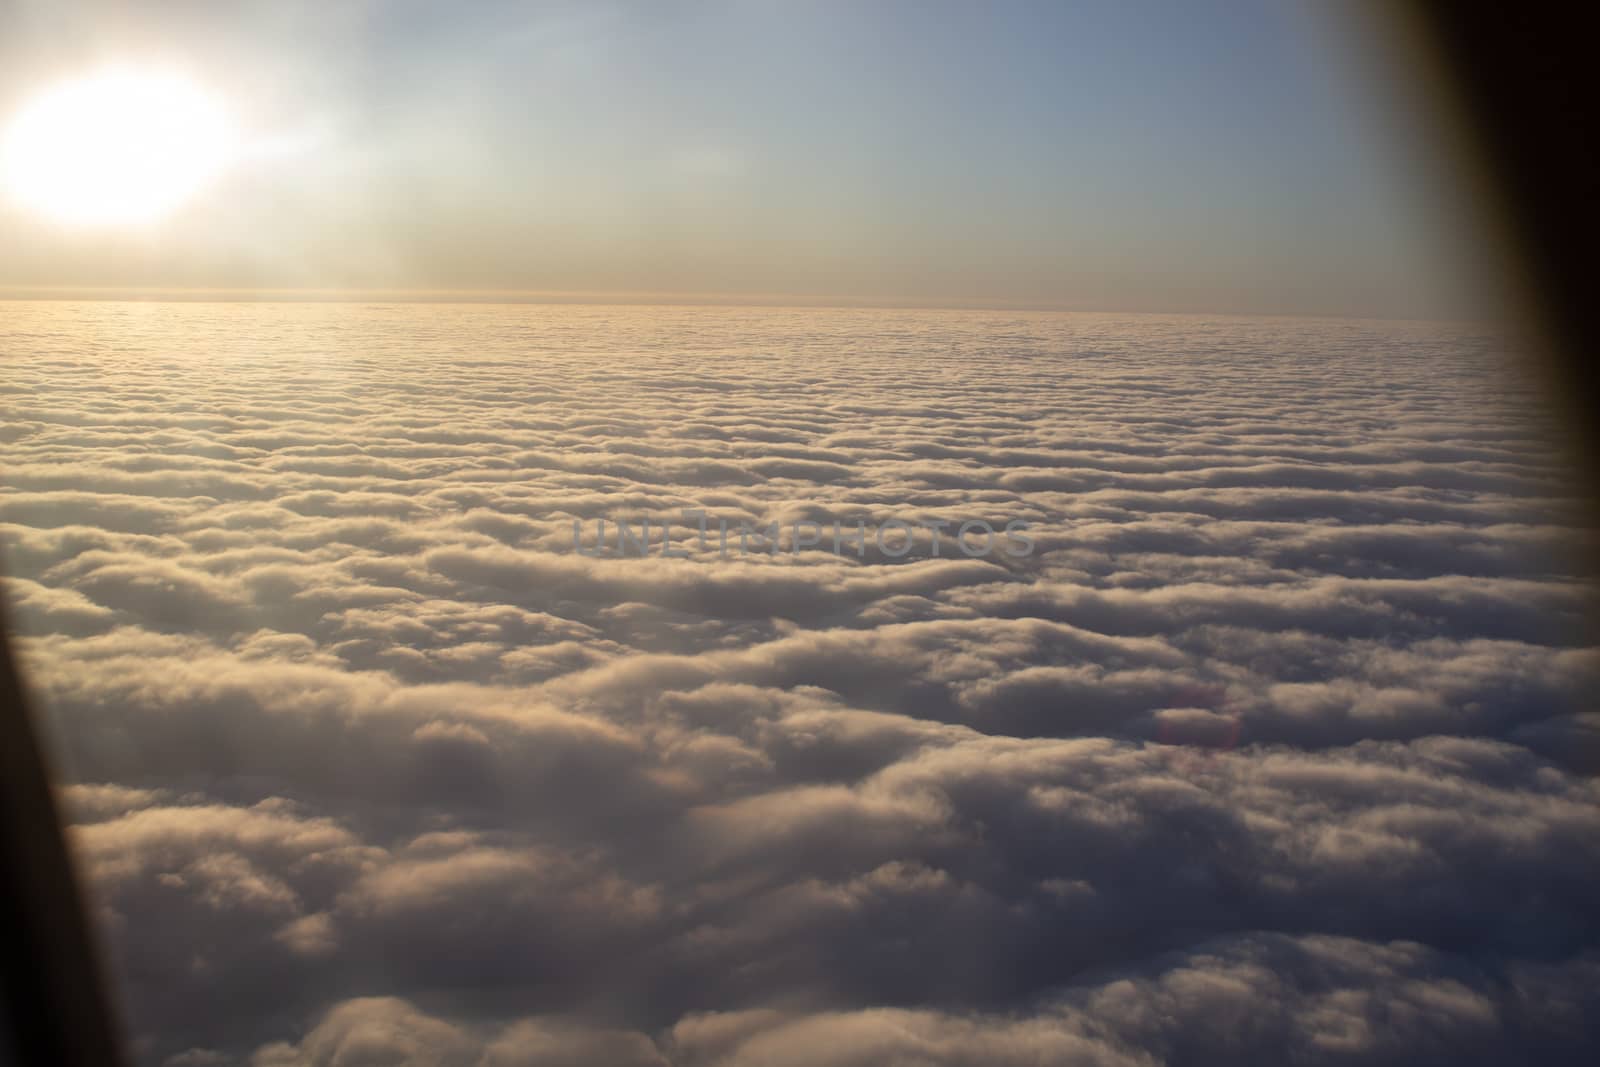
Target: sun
122	146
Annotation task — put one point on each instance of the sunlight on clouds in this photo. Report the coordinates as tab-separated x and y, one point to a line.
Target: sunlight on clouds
1277	748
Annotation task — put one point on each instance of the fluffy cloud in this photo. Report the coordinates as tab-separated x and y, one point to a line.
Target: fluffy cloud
1279	746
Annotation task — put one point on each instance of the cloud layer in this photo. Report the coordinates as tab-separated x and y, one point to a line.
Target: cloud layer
1278	747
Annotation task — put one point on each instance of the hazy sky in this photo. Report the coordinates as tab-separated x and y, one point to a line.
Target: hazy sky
1141	156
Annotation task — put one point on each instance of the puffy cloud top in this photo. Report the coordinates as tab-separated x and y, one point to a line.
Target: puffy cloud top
1278	746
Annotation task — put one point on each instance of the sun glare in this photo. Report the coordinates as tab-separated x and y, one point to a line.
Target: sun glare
123	146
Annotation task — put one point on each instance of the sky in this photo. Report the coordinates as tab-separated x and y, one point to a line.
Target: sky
1157	156
1277	745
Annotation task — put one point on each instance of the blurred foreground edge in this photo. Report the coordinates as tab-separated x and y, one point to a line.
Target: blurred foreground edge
57	1008
1511	81
1509	88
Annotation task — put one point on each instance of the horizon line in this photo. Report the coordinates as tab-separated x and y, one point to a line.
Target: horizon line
645	298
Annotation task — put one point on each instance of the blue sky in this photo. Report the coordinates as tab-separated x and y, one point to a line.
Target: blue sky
1211	156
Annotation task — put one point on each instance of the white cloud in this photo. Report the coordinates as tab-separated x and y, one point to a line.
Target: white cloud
1279	746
